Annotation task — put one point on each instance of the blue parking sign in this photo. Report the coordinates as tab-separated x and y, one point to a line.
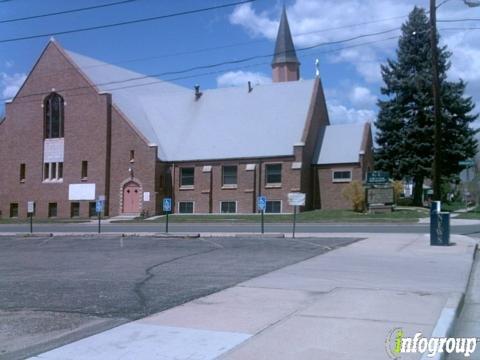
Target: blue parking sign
167	204
99	206
262	203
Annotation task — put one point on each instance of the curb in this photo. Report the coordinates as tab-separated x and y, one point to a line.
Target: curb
449	315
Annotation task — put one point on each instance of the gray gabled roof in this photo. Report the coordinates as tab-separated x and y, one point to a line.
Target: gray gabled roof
224	123
284	48
340	144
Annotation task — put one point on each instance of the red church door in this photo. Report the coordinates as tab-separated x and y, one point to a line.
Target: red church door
131	198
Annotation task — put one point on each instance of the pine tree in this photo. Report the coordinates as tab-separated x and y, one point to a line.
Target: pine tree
405	123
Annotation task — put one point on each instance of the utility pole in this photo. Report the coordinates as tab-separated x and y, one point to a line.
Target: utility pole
437	160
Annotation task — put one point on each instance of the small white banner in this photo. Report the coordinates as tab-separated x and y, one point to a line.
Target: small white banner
77	192
146	196
296	199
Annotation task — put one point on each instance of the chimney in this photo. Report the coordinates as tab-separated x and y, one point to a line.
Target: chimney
198	93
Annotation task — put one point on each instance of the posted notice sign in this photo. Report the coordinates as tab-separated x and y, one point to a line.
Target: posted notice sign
30	207
296	199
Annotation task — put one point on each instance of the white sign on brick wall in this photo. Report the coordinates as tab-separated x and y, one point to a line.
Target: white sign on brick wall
77	192
53	150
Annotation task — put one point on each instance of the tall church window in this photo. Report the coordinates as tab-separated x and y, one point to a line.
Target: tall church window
53	113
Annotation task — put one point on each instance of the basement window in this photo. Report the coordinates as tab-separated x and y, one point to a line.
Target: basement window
228	207
14	210
52	209
92	209
185	207
74	209
273	207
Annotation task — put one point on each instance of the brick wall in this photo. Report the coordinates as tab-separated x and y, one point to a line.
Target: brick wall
143	168
331	196
208	192
21	137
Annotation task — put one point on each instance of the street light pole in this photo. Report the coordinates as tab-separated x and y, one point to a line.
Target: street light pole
436	104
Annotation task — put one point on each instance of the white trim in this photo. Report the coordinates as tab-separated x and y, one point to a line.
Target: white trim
222	201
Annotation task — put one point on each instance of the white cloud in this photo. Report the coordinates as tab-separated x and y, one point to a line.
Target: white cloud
9	64
9	84
314	22
257	25
241	78
362	96
340	114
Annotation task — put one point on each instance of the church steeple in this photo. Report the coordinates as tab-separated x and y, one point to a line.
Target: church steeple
285	64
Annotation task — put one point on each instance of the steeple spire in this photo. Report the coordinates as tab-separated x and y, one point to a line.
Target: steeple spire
285	64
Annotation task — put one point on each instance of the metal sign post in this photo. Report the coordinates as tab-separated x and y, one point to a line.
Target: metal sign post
294	220
296	199
261	205
167	208
30	210
99	209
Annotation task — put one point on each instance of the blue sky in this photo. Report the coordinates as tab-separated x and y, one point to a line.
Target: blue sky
350	75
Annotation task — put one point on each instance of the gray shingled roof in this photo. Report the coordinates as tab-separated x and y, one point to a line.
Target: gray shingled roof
340	144
284	48
224	123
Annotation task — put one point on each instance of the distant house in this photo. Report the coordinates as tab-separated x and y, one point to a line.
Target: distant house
80	129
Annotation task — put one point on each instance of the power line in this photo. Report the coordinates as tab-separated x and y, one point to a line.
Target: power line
66	11
221	47
129	22
232	62
210	66
458	20
158	81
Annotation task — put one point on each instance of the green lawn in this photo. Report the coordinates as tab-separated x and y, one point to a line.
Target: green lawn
307	216
475	215
43	221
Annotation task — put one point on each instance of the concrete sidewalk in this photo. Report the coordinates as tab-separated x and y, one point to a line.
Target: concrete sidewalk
340	305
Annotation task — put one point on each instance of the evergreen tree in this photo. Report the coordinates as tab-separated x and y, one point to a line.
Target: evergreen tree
405	123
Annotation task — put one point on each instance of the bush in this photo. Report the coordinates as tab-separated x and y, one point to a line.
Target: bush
356	194
397	189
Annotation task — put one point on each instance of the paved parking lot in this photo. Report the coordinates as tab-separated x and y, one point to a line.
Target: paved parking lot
55	290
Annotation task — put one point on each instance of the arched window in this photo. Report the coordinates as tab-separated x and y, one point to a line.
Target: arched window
53	113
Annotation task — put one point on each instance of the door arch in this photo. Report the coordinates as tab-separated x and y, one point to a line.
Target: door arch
131	198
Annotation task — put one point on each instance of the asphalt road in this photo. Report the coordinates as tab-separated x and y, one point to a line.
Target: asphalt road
56	290
472	230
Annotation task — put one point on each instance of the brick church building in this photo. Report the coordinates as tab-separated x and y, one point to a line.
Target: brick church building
79	129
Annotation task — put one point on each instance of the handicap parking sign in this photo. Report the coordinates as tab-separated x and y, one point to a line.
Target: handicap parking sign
167	204
99	206
262	203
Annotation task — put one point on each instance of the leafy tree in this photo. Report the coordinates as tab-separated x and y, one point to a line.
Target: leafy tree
405	121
